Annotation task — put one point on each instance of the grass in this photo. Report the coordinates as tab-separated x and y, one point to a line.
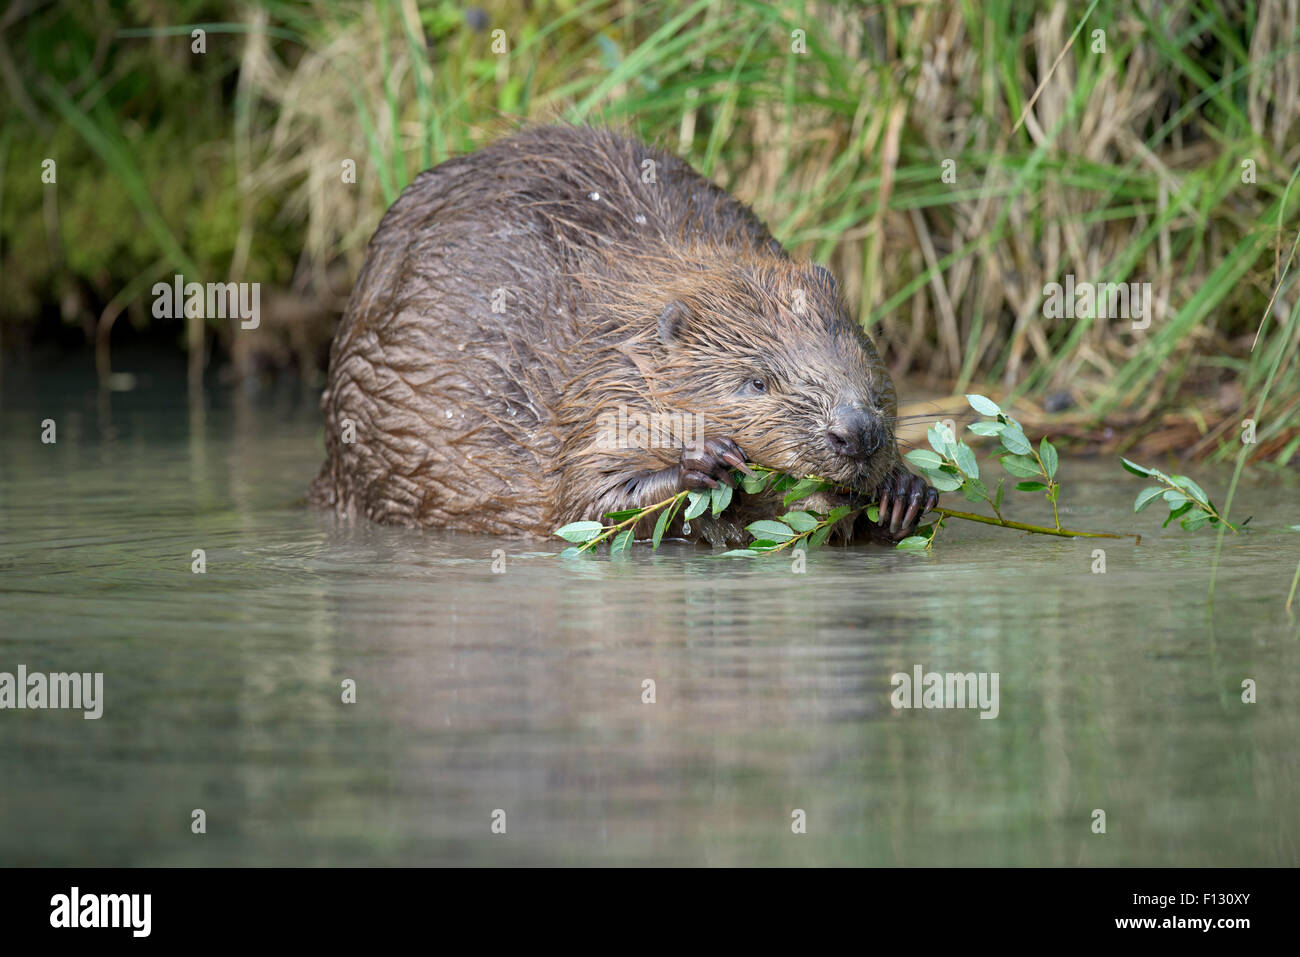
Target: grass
1114	165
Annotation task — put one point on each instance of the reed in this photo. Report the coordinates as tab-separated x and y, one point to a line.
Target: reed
1162	150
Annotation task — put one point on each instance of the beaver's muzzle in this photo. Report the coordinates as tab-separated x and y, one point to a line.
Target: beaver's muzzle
853	433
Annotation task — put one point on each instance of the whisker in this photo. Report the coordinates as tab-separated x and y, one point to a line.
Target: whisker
933	416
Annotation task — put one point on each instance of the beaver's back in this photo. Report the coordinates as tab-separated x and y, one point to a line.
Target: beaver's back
472	315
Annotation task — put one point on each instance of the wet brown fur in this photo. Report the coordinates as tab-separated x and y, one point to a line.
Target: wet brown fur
490	421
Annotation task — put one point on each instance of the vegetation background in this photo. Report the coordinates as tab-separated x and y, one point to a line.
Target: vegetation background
1118	142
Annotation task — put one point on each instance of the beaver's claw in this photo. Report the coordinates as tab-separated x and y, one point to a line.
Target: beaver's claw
904	498
709	461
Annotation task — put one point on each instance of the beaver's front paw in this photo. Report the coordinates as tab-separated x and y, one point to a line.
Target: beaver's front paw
904	498
709	461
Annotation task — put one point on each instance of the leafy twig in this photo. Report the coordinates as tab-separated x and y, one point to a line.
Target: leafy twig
949	465
1181	494
590	534
793	528
952	464
1039	529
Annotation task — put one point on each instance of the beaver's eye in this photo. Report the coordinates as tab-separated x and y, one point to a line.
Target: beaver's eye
758	385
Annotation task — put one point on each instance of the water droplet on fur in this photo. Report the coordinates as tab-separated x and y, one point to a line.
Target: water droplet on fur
449	413
595	196
461	347
640	218
686	528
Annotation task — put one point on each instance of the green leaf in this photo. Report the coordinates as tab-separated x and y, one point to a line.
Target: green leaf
800	521
924	459
1053	493
966	460
837	513
819	537
580	531
941	439
573	551
753	484
986	428
1137	469
1195	520
763	544
1176	512
803	488
943	481
721	498
873	514
767	528
1047	452
982	404
1174	498
1194	490
783	482
974	490
613	518
1030	486
696	503
914	543
1021	466
665	519
1147	496
1014	440
737	552
622	542
997	499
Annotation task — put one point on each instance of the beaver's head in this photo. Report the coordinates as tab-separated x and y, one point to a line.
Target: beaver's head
768	354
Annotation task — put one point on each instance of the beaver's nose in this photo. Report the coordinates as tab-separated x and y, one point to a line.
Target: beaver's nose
852	433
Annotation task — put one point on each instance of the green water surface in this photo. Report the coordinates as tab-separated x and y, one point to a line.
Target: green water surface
521	689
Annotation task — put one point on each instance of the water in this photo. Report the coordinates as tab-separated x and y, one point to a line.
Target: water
522	691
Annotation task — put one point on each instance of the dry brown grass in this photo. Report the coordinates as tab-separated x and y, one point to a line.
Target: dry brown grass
1126	168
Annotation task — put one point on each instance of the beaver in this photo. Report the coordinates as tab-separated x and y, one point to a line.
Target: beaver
519	305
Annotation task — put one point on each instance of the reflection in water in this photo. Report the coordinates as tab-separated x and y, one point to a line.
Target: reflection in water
523	691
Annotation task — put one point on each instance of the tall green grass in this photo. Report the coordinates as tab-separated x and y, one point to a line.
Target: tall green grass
1126	167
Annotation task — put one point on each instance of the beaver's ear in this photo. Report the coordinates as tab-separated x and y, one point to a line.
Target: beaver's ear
672	321
824	277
